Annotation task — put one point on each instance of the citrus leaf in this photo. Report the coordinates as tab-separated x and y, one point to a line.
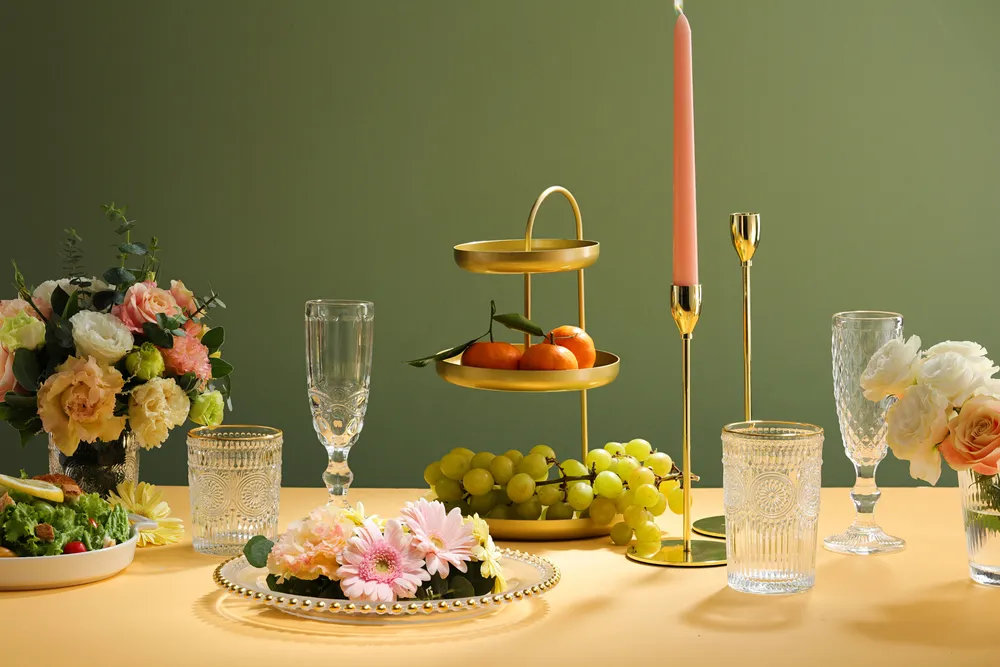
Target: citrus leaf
519	322
442	355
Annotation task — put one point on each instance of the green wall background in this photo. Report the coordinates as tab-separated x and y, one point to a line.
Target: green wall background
287	151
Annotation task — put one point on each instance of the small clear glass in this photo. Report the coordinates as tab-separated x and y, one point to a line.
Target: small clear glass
339	342
234	475
771	487
981	513
857	335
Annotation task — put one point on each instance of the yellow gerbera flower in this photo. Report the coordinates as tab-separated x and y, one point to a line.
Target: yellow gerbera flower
489	555
479	528
356	515
145	500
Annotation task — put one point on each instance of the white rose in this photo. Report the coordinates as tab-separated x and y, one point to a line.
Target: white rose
951	375
154	408
42	295
973	352
101	336
918	422
891	369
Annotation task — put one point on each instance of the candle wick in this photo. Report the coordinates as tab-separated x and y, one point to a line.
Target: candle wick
679	6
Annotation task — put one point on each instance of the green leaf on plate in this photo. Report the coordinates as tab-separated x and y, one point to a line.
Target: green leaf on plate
442	355
257	550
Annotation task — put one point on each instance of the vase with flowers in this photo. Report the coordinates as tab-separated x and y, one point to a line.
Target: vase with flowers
106	366
947	406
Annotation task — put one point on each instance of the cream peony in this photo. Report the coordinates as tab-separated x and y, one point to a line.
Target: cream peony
952	375
891	369
101	336
918	422
78	403
154	408
973	352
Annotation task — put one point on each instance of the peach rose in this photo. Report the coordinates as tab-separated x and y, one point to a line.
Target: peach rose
78	403
143	302
184	297
7	381
974	436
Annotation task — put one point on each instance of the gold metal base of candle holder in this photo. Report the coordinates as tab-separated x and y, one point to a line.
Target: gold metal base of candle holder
673	553
711	526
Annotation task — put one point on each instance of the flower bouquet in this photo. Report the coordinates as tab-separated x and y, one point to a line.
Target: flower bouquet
947	406
99	364
424	554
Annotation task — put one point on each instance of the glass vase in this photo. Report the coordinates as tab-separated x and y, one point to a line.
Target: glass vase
981	513
99	467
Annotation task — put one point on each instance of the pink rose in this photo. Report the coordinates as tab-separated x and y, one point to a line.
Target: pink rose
974	436
143	302
7	381
184	297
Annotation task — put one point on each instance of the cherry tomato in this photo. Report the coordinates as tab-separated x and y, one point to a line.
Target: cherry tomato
74	548
92	523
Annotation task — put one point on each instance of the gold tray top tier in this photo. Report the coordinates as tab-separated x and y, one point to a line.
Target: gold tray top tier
510	255
604	371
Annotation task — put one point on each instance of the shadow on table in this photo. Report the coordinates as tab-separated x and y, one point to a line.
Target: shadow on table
247	619
170	558
729	610
959	614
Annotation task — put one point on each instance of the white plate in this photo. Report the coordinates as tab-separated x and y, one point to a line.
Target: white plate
527	576
39	572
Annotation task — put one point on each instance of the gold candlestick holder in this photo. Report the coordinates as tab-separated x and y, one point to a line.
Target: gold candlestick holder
685	307
745	231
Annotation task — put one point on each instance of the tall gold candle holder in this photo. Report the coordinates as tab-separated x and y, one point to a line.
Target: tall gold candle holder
745	231
685	307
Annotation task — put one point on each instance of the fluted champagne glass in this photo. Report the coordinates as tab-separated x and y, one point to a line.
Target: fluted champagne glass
857	335
339	340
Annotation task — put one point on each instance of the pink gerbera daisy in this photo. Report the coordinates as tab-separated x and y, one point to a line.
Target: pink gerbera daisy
378	567
443	539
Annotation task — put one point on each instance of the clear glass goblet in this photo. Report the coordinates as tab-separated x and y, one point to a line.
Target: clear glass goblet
857	335
339	341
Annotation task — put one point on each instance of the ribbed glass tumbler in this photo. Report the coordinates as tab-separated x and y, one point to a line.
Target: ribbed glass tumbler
771	481
234	475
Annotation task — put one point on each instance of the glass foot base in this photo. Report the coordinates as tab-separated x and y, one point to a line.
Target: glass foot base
788	586
987	576
864	542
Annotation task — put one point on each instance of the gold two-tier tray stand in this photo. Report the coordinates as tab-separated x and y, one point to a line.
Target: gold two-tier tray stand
529	256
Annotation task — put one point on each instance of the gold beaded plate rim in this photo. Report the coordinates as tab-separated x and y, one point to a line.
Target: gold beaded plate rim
226	575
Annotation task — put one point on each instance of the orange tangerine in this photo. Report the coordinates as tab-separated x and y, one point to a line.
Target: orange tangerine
577	341
492	355
547	357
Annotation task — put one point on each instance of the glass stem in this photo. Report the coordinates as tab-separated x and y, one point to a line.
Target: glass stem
865	494
338	475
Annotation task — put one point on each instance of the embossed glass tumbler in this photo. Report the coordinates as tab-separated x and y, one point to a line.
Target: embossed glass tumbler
339	340
234	475
857	335
771	483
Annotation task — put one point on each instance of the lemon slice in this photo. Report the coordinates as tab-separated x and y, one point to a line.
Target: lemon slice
33	487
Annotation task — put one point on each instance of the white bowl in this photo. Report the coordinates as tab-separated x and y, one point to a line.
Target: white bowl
38	572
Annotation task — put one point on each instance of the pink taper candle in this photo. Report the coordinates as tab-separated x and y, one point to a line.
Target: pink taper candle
685	210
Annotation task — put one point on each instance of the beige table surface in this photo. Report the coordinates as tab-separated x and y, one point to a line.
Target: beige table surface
914	608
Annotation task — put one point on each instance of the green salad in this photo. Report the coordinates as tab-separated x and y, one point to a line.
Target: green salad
30	526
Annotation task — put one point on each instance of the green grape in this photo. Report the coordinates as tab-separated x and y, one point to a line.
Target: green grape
478	482
647	532
613	466
585	514
550	494
598	460
464	452
513	455
646	495
579	495
626	466
647	549
454	466
675	501
608	484
641	476
559	511
432	473
501	512
624	500
448	490
621	533
546	451
529	509
502	469
463	508
660	507
668	485
520	488
482	505
602	511
660	462
635	516
534	466
574	468
482	460
639	448
614	448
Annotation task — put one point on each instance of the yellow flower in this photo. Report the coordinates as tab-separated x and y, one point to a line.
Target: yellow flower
489	555
154	408
479	528
356	515
78	403
145	500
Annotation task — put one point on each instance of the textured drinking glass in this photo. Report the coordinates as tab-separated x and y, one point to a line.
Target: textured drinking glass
771	483
339	340
234	474
857	335
981	512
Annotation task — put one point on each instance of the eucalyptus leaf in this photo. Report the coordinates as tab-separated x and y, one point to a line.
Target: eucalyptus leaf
214	338
519	322
119	298
220	368
119	276
132	248
257	550
26	369
59	299
124	227
157	336
442	355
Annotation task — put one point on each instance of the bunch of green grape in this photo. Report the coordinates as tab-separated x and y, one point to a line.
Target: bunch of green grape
630	480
